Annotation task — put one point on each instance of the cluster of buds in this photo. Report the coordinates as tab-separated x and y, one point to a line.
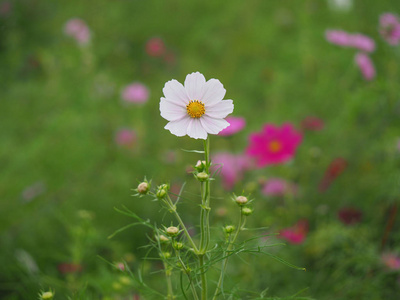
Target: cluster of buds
162	191
201	171
242	201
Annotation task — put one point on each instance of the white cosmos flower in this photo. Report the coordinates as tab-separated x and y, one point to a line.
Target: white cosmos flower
195	109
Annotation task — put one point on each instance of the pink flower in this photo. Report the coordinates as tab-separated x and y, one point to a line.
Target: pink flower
391	261
155	47
231	166
390	28
274	144
125	137
366	65
349	215
312	123
295	234
78	29
278	187
236	124
135	93
345	39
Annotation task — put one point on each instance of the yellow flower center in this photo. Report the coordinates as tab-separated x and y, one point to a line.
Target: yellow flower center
195	109
274	146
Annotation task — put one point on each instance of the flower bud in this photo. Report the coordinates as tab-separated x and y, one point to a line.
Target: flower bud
202	176
200	165
163	238
166	255
178	245
143	187
161	194
172	231
241	200
247	211
47	295
229	229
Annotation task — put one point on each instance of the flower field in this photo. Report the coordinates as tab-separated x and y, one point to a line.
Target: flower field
200	149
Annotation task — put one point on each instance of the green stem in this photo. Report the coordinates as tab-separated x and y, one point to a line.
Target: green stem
203	278
242	222
187	274
170	295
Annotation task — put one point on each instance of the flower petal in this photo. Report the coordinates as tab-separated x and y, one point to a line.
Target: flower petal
212	125
194	85
170	111
220	110
213	92
175	92
195	130
178	127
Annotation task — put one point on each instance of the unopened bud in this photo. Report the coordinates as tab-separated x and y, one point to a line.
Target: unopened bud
163	238
161	193
202	176
172	231
166	254
47	295
241	200
247	211
143	188
229	228
178	245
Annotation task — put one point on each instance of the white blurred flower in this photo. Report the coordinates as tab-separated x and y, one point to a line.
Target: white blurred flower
195	109
340	5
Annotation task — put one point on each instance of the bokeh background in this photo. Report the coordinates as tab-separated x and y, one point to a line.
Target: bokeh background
74	141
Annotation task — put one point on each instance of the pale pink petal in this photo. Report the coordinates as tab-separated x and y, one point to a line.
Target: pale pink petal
170	111
213	92
195	130
178	127
220	110
212	125
194	85
175	92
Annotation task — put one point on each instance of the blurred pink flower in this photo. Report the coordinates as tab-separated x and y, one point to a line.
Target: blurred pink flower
312	123
295	234
349	215
366	65
236	125
125	137
135	93
391	261
345	39
390	28
155	47
278	187
231	166
78	29
274	144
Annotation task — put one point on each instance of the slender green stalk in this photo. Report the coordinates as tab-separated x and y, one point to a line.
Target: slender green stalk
187	274
168	274
242	222
203	278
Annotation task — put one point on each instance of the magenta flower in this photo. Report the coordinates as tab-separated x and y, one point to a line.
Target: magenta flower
345	39
125	137
366	66
78	29
295	234
274	144
278	187
155	47
231	166
312	123
391	261
390	28
135	93
236	125
349	215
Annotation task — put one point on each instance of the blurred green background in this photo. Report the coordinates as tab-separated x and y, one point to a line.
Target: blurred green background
62	172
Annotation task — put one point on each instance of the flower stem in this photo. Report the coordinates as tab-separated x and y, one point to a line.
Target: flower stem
203	278
242	222
168	274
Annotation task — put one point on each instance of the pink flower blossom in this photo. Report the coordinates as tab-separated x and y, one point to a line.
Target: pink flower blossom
390	28
135	93
349	215
278	187
231	166
78	29
391	261
345	39
274	144
295	234
236	125
312	123
366	65
155	47
125	137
